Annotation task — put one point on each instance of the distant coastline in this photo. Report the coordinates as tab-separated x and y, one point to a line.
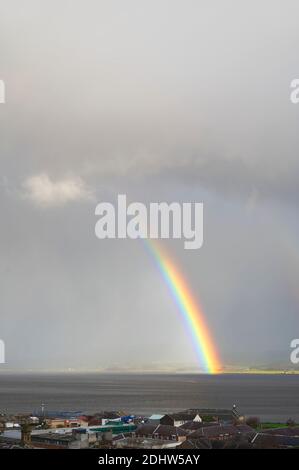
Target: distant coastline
147	371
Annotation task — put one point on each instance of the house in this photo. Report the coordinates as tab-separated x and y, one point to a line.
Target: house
11	425
95	421
278	438
289	431
195	444
269	441
33	419
100	419
161	432
51	441
216	414
191	426
146	430
57	423
222	432
184	417
161	419
144	443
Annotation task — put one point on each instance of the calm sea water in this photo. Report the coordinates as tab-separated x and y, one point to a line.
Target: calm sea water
272	397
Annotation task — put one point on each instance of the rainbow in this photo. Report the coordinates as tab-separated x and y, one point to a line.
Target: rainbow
189	308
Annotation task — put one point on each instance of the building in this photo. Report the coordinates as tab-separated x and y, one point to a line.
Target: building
222	432
56	423
51	441
116	427
194	425
161	419
223	416
271	441
161	432
196	444
288	431
144	443
100	419
277	438
184	417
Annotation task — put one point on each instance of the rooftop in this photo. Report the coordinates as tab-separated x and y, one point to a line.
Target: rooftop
156	417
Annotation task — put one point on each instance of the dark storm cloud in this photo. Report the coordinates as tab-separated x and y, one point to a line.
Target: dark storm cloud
163	100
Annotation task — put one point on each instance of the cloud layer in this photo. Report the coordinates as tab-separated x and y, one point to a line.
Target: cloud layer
162	101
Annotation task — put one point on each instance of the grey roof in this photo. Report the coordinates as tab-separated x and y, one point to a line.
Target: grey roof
194	425
146	429
195	444
156	417
160	429
268	441
52	437
165	430
183	416
289	431
221	430
11	434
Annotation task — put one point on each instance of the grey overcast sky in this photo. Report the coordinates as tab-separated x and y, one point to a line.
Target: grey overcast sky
162	100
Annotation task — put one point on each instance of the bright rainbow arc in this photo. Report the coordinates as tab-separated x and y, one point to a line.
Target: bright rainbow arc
190	310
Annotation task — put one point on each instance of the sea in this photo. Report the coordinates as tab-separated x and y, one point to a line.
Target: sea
273	398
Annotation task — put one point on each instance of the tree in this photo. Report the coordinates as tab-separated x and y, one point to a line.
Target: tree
253	421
